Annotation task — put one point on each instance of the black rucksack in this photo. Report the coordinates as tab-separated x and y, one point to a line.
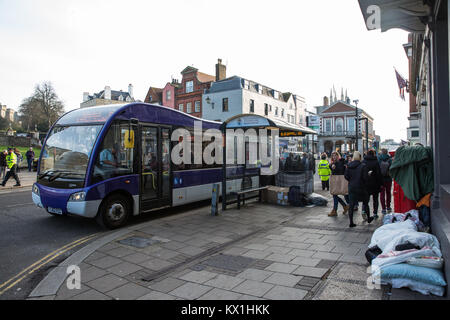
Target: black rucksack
296	198
384	166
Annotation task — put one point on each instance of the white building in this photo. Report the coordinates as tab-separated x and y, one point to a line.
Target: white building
107	96
236	95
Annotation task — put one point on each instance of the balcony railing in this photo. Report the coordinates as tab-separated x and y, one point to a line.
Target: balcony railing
349	134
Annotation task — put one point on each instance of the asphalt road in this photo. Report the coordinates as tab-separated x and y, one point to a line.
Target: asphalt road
27	234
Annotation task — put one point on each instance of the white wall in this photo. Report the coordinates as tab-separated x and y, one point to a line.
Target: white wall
234	105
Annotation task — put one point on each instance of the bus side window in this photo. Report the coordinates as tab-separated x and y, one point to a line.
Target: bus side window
114	160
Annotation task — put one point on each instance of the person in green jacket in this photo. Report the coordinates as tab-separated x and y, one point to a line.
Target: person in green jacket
324	172
11	164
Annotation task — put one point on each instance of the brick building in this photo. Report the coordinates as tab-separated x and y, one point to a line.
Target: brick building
186	96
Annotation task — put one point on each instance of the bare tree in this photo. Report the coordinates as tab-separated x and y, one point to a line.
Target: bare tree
42	108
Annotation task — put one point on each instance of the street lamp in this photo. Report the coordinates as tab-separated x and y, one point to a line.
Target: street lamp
357	123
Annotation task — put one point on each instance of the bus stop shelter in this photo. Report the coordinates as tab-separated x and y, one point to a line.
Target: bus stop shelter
246	172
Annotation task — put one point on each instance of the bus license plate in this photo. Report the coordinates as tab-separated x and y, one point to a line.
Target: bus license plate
54	210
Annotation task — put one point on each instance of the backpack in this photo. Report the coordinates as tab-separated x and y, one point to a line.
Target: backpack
296	198
384	166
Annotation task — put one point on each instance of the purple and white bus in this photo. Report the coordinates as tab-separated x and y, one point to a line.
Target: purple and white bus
111	162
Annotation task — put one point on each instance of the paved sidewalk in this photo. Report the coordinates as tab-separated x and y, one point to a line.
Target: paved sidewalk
259	252
26	180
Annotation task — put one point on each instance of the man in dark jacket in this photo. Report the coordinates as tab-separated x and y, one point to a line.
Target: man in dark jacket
385	160
375	179
30	158
356	175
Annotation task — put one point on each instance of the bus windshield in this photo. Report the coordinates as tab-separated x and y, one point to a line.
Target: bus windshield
65	156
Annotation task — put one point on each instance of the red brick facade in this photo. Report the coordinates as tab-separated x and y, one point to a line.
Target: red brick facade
191	100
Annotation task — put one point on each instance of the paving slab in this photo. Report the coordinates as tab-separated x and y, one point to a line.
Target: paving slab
253	288
166	285
106	283
254	274
219	294
283	279
130	291
190	291
224	282
285	293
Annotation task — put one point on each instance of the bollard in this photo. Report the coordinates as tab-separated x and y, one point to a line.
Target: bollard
215	200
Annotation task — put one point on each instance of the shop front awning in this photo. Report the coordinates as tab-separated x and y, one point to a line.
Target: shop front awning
409	15
252	121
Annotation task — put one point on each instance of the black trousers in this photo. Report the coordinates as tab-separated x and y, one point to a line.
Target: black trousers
375	197
355	197
11	173
326	185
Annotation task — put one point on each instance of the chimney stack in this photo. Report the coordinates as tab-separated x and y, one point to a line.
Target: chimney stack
85	96
107	93
130	90
221	71
326	102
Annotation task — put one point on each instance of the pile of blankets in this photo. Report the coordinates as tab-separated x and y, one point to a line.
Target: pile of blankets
404	257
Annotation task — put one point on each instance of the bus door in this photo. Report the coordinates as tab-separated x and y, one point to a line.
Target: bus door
156	172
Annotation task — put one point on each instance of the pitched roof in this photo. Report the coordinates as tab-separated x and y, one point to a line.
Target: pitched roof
203	77
155	93
114	95
339	107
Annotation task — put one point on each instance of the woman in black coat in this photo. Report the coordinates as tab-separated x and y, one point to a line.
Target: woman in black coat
375	179
356	175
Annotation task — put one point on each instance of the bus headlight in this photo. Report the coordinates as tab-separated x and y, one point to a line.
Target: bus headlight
79	196
36	190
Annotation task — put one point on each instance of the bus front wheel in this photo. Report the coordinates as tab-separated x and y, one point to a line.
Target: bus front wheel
114	212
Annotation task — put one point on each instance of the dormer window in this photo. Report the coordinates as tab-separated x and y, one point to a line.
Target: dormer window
276	95
120	98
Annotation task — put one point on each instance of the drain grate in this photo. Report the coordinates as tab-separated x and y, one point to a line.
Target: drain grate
229	263
139	242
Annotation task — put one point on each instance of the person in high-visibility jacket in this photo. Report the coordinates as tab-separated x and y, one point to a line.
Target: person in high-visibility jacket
11	164
324	172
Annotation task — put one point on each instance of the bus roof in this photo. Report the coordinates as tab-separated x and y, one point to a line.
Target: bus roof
142	111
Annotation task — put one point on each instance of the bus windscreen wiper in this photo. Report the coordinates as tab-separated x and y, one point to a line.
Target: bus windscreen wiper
60	173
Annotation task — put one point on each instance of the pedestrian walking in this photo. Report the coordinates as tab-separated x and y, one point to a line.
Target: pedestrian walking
375	179
356	175
11	163
385	162
3	155
19	158
30	158
324	172
338	184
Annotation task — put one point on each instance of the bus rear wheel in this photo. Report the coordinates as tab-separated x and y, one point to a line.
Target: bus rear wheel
114	212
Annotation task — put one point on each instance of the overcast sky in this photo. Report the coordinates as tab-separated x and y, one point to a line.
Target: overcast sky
302	47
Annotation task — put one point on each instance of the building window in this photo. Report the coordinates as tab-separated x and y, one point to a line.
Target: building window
181	107
225	105
339	125
168	95
351	124
328	127
266	109
276	111
414	134
282	113
197	106
252	106
270	108
189	86
276	95
189	107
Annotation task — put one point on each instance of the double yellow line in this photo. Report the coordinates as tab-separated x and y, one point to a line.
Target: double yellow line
38	264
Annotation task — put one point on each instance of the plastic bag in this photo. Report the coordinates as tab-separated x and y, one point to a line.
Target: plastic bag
423	288
317	199
406	271
428	262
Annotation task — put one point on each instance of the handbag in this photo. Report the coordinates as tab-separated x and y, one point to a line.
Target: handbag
338	185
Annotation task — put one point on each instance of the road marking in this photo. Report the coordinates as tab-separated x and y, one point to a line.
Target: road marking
40	263
19	205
